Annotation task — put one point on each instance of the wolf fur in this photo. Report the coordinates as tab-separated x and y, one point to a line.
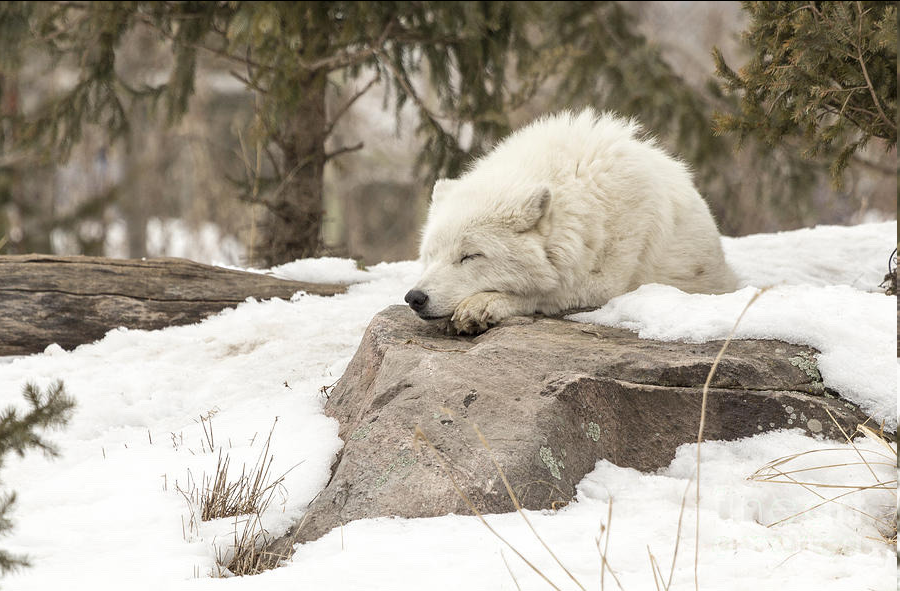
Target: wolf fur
566	213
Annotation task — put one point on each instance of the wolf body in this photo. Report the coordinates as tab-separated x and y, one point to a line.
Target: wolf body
566	213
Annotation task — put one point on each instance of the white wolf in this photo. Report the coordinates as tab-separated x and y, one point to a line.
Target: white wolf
565	213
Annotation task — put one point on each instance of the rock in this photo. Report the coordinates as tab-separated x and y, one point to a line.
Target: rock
551	397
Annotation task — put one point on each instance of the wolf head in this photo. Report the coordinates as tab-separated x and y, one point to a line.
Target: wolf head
482	239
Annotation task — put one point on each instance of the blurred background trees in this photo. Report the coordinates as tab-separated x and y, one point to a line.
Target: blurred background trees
260	132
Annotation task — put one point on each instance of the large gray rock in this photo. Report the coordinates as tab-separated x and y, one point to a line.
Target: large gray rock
552	397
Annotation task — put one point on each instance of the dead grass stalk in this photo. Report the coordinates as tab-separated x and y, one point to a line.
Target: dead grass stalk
783	470
245	498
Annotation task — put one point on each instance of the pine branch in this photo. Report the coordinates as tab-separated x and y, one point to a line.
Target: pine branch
145	19
9	562
343	60
17	433
862	64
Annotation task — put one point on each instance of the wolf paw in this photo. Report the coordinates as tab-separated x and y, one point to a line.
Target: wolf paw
478	312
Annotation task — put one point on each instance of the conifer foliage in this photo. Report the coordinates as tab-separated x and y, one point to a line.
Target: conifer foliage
20	432
288	54
462	66
822	73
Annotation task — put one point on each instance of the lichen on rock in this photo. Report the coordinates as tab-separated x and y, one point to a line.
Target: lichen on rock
552	463
808	364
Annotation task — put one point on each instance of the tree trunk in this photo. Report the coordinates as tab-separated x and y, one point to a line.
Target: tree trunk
48	299
25	190
295	228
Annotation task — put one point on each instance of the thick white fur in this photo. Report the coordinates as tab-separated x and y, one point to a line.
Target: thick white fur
566	213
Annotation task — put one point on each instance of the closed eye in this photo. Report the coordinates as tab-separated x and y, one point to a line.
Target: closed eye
469	257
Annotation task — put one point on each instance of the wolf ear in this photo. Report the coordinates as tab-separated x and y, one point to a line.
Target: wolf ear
536	208
441	188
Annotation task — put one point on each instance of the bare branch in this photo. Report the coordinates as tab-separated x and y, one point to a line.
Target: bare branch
859	56
341	111
407	87
343	150
272	160
145	19
343	60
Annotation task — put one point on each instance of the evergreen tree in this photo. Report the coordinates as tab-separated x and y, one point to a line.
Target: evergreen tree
823	73
19	433
287	52
610	65
481	60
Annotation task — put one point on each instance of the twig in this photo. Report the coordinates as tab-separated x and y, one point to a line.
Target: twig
678	534
709	377
430	348
248	83
407	87
509	570
420	436
604	563
850	441
336	62
145	19
516	503
654	568
343	150
859	56
346	106
826	500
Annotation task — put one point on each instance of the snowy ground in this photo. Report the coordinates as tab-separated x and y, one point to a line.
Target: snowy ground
106	514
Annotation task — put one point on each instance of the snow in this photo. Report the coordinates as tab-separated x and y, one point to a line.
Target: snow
322	270
825	255
738	551
107	514
817	297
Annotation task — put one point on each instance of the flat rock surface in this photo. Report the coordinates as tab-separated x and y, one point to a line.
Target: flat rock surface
551	397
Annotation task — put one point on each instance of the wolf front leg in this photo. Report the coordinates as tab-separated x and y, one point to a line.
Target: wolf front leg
478	312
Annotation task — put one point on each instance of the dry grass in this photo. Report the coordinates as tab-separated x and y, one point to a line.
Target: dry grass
245	498
821	478
221	497
421	438
248	555
709	377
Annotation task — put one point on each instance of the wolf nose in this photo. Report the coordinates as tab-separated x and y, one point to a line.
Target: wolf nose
416	299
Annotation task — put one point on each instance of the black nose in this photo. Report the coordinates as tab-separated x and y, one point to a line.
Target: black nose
416	299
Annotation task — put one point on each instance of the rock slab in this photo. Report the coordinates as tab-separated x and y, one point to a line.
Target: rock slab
551	397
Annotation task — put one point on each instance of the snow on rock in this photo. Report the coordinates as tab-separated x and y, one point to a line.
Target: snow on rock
855	330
